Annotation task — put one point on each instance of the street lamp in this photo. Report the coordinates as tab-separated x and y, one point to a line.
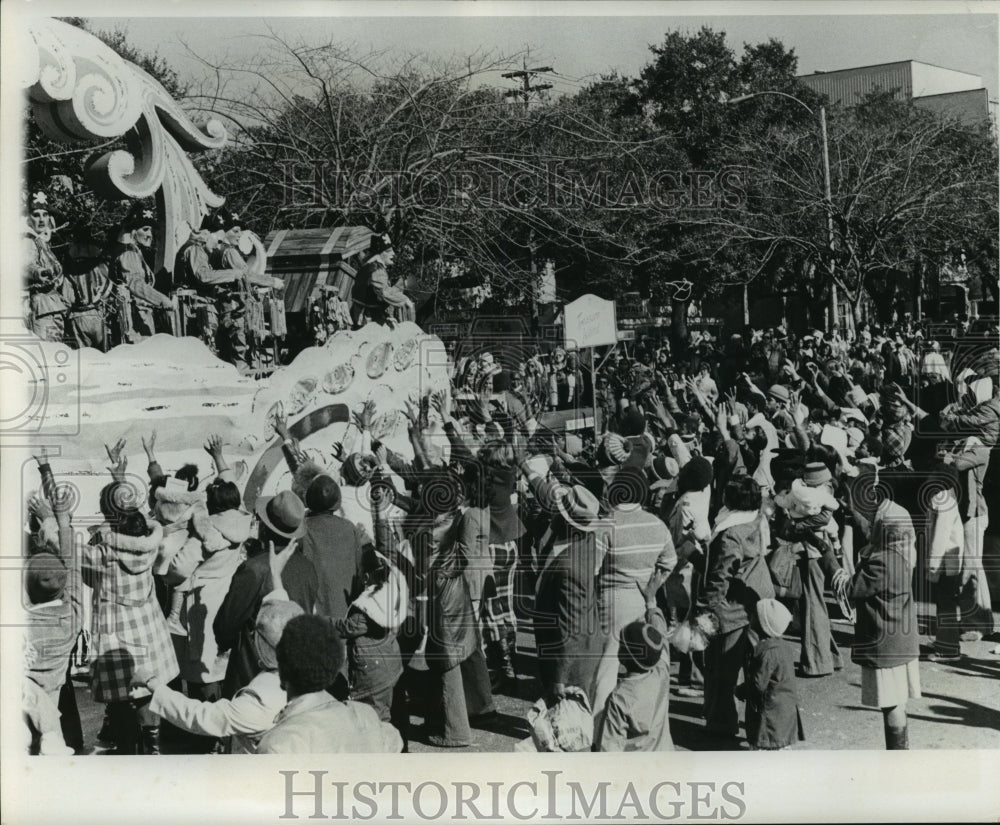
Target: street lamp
827	197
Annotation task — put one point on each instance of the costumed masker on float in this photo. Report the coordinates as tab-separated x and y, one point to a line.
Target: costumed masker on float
375	299
133	275
46	310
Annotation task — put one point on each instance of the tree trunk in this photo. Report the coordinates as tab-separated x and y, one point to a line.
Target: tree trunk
856	310
678	322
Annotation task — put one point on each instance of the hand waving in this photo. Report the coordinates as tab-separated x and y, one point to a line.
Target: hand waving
214	445
119	463
363	420
39	506
277	562
279	422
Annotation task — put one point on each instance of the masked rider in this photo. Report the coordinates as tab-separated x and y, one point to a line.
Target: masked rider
133	274
44	277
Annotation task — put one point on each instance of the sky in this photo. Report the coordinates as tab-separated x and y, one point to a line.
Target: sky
580	48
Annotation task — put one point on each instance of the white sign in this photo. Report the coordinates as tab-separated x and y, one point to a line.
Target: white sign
590	322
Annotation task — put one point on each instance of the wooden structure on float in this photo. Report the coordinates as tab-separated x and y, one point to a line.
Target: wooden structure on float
315	261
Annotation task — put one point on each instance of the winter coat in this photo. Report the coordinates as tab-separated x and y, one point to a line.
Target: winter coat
886	632
982	421
335	547
636	714
129	627
569	636
221	537
51	630
772	711
737	576
453	632
234	623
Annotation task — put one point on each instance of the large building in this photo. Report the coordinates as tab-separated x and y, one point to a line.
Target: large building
945	91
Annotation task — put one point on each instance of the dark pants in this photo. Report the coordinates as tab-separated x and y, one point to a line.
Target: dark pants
724	659
124	723
947	596
231	339
72	729
380	700
207	692
399	712
820	655
465	693
87	329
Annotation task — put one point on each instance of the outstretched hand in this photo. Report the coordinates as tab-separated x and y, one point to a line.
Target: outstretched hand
841	578
279	422
214	445
363	419
119	463
149	446
277	562
411	411
440	402
115	453
731	401
39	506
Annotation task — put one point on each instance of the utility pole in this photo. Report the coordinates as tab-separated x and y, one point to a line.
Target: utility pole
527	88
827	195
525	92
828	202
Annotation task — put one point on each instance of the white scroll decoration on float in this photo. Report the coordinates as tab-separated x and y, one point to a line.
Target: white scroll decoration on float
80	90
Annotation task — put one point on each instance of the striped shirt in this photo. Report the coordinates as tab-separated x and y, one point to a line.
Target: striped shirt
639	541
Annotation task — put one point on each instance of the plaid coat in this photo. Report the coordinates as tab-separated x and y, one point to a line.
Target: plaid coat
128	625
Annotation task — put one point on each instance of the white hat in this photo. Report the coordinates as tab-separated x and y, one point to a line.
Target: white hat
982	389
837	438
854	438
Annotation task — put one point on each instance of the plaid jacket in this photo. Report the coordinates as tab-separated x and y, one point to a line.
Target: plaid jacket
128	625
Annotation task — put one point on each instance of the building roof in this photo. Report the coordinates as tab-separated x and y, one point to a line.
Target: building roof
883	66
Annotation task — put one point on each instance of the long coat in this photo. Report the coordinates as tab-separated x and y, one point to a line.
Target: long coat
886	632
737	575
773	718
221	537
569	636
234	623
129	627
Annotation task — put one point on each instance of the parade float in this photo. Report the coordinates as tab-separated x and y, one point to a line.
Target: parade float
77	401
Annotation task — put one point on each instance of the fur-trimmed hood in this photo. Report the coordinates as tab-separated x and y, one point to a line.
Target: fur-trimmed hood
229	528
135	553
171	506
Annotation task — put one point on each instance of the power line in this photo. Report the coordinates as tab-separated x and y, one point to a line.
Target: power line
527	87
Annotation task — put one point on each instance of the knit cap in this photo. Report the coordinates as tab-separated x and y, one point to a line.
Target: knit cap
773	616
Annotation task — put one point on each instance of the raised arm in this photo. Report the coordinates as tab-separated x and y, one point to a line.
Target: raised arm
153	468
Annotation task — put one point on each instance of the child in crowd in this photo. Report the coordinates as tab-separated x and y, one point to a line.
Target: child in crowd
635	715
773	719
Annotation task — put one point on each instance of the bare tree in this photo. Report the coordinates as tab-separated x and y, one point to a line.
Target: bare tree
905	185
431	150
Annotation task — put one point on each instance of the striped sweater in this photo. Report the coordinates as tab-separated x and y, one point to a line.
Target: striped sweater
638	542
